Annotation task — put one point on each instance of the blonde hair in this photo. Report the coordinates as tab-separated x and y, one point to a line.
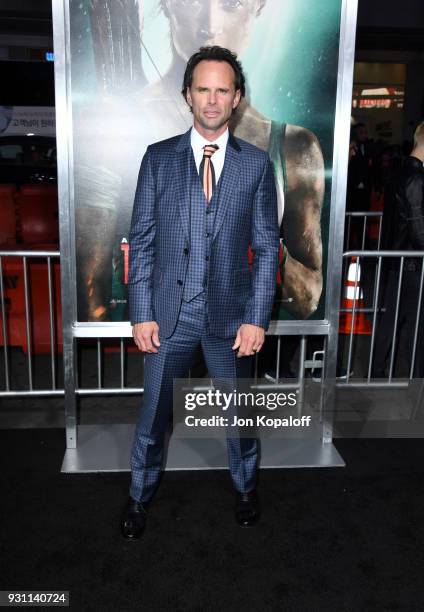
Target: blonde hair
419	135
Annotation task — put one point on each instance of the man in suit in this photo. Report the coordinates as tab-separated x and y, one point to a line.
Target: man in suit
202	198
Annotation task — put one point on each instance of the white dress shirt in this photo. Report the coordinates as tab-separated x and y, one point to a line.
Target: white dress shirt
197	144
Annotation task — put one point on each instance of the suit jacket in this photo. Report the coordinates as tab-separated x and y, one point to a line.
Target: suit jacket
410	206
159	239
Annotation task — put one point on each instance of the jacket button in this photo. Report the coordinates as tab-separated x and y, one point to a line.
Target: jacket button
179	282
186	251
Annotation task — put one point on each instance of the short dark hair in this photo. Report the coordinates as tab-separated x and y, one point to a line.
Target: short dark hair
218	54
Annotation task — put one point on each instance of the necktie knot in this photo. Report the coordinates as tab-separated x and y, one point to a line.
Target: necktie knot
209	150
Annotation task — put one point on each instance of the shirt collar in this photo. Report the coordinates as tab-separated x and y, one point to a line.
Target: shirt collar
198	141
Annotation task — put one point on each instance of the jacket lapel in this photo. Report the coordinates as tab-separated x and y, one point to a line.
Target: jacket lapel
181	179
229	178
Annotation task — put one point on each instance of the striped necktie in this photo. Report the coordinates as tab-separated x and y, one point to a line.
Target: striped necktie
206	171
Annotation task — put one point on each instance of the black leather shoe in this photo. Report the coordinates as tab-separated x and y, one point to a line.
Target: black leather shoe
133	519
247	510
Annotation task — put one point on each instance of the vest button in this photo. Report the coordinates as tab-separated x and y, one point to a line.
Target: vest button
186	251
207	258
205	284
179	282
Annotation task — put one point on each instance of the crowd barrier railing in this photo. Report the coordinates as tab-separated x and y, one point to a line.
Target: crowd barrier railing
31	320
380	264
368	225
30	310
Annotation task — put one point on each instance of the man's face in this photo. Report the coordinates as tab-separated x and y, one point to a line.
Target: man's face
212	96
197	23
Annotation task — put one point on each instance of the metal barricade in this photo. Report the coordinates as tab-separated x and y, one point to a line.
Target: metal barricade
30	315
117	362
125	365
401	263
364	220
21	328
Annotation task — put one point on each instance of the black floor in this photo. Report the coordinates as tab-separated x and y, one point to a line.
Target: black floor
329	539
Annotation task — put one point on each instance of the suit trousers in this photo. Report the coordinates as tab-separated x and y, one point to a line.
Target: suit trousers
173	360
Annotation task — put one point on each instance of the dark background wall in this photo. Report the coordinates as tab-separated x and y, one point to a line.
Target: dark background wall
26	33
393	31
391	13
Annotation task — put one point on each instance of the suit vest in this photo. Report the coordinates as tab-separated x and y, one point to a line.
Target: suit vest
202	221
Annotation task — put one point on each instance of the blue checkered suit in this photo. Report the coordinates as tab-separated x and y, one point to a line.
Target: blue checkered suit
161	236
160	239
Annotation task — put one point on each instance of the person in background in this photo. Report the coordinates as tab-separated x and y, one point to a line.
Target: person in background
360	170
407	234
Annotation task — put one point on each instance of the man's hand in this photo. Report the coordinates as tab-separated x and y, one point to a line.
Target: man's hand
249	340
146	336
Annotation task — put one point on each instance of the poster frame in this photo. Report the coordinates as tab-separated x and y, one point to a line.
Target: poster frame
72	329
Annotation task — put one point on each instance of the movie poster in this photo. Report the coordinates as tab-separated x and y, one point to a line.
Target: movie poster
127	64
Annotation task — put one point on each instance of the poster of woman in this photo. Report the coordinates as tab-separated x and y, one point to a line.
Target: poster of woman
127	63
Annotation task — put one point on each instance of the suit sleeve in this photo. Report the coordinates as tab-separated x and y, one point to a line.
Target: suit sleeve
265	244
142	245
414	201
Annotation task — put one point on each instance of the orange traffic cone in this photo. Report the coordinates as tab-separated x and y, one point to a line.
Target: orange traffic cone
353	293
